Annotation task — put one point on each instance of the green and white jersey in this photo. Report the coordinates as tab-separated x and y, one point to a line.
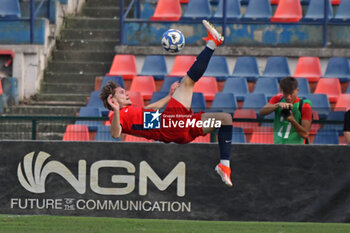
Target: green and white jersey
284	132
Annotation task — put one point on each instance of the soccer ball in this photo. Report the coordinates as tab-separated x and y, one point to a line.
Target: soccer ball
173	41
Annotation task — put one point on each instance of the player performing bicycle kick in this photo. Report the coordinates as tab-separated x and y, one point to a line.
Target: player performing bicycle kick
177	123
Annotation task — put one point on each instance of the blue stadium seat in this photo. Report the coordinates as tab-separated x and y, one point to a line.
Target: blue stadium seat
258	10
158	95
104	134
10	9
238	135
343	12
89	112
254	102
1	104
96	102
224	102
10	90
168	81
198	102
155	66
315	11
217	68
237	86
338	67
116	79
276	67
320	104
327	136
303	85
267	86
233	9
246	67
270	116
335	116
197	9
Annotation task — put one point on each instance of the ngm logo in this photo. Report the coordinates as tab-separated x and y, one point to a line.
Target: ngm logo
32	175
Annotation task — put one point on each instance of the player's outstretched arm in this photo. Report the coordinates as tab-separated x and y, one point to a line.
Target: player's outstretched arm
162	102
116	128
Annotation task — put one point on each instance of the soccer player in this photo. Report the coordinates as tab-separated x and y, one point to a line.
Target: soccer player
293	116
184	126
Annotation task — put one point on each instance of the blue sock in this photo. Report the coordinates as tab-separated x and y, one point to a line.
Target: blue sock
200	65
225	138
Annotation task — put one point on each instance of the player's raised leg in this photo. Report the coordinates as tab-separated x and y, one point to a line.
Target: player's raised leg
225	139
184	93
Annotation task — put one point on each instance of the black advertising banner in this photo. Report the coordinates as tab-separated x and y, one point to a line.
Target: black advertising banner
171	181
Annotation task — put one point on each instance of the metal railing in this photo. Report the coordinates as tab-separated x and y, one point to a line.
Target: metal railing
53	127
223	21
34	11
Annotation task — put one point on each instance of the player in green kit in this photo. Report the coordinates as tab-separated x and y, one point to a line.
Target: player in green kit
293	115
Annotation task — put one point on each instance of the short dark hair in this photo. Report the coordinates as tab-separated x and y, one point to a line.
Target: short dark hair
108	89
288	84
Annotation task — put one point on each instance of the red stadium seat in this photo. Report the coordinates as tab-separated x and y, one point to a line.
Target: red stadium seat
132	138
145	85
136	98
181	65
123	65
76	133
274	2
184	1
208	86
167	10
309	68
262	135
343	103
287	11
336	2
329	86
202	139
245	114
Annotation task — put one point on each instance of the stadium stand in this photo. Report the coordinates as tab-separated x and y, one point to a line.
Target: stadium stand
167	10
343	103
158	95
136	98
303	85
89	112
76	133
335	116
123	65
338	67
116	79
246	66
104	134
145	85
10	90
330	87
267	86
208	86
287	11
315	11
132	138
224	102
238	135
10	9
255	102
218	68
236	86
263	135
327	136
96	102
276	67
233	9
202	139
320	104
309	68
154	65
197	9
343	13
198	102
181	65
168	81
246	126
258	10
